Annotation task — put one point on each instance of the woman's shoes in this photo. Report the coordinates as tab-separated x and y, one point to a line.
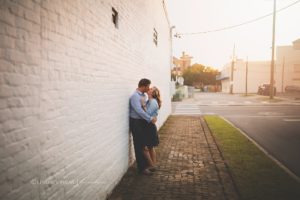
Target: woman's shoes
152	169
147	172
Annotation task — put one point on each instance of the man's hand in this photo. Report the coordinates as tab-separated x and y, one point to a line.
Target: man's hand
154	119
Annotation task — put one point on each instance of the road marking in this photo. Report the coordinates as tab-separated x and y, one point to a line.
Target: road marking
262	116
186	109
209	113
269	113
291	120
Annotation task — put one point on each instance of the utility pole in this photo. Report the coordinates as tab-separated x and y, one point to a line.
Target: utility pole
273	52
247	77
282	78
171	49
232	69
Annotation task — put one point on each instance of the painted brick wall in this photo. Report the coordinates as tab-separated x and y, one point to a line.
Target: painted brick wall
66	74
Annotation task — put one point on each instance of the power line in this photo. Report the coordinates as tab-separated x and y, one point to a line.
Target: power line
237	25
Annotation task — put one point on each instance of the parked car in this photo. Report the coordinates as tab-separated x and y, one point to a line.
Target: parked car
292	88
264	89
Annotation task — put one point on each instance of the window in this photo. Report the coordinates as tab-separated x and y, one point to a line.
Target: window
155	37
115	17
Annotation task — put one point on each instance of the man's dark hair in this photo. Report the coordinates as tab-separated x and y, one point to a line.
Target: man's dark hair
144	82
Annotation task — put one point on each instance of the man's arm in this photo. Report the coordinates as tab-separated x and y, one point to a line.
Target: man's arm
137	106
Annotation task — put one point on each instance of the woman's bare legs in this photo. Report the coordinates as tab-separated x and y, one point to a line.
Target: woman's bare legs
152	156
147	155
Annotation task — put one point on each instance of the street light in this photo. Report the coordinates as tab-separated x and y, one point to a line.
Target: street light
177	35
171	43
273	52
232	70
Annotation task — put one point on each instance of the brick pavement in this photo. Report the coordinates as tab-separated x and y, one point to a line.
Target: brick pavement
190	167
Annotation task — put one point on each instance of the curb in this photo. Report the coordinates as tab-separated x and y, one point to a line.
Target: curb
206	131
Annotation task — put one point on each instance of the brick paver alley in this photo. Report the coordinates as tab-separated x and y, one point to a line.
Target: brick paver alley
190	167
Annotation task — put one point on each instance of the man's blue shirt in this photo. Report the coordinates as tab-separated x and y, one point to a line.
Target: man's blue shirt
135	110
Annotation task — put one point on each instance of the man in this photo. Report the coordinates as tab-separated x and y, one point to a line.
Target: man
138	121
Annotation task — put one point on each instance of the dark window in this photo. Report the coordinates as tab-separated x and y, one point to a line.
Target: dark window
155	37
115	17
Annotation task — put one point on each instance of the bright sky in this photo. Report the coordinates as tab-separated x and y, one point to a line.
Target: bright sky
253	40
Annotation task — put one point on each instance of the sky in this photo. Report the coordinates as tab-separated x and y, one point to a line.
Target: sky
253	40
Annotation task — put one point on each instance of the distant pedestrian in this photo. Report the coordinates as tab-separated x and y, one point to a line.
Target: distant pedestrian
151	139
139	120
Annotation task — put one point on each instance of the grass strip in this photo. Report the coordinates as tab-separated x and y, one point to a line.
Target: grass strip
256	175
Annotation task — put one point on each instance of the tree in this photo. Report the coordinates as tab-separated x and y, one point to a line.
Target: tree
193	74
199	75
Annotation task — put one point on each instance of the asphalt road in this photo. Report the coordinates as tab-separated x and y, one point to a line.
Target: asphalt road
275	128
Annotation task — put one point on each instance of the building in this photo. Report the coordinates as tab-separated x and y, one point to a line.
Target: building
287	71
181	64
67	70
258	73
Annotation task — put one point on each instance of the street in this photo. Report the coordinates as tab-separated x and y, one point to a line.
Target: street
274	126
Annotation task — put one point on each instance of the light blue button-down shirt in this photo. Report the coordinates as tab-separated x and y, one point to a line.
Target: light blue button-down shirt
135	107
152	107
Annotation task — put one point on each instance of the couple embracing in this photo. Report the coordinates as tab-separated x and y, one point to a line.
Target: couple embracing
144	105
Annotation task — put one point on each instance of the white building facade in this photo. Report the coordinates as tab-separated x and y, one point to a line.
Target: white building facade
258	73
286	71
288	66
67	70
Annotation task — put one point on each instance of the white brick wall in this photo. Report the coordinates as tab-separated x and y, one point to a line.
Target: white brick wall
66	74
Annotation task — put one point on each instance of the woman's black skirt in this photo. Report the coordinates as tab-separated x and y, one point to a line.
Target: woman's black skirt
151	136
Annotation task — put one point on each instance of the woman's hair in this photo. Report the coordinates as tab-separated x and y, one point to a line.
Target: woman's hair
156	95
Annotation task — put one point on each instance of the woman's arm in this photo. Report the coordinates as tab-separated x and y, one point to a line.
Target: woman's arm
152	108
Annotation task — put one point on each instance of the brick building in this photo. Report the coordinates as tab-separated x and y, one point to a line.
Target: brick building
181	64
67	70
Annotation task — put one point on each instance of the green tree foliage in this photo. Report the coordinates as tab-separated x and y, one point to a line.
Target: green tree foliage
200	75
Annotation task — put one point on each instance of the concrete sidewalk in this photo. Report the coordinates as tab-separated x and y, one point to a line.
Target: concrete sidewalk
190	167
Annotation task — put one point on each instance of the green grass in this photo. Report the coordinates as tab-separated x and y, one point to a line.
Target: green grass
256	175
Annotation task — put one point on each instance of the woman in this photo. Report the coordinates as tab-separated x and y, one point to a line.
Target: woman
151	137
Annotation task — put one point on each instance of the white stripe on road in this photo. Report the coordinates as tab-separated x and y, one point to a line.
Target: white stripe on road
263	116
186	109
291	120
209	113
